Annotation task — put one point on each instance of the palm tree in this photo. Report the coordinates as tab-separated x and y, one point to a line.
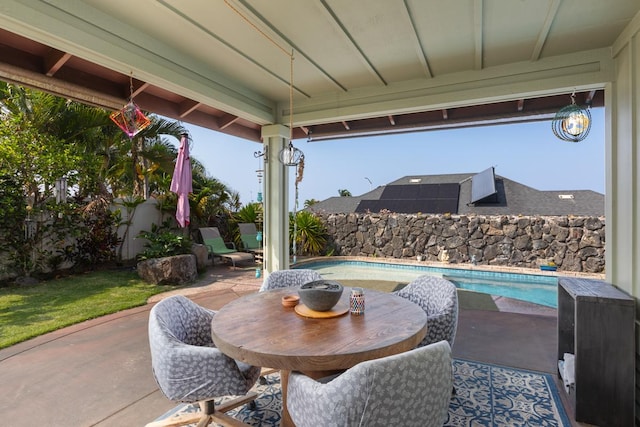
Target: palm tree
344	193
150	152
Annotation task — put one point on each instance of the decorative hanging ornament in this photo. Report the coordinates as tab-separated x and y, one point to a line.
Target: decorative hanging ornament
291	156
130	118
572	123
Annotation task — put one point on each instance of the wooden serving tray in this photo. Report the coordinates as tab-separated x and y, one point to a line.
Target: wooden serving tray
338	310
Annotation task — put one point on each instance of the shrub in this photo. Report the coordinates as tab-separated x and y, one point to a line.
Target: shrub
310	234
163	243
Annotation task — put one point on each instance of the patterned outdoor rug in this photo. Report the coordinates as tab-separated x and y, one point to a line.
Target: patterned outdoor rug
486	395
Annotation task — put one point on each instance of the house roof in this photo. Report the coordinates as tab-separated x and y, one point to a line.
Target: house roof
511	198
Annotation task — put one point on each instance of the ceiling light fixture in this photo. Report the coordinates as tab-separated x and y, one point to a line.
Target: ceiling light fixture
573	122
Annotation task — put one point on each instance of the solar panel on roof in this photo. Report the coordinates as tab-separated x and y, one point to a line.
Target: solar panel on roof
414	198
483	185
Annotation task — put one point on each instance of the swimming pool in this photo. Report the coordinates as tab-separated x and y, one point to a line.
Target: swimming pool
534	288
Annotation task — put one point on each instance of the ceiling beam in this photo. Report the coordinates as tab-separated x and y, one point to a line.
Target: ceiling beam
478	33
554	5
333	19
39	81
86	32
549	76
187	107
227	120
54	61
417	43
257	17
231	48
138	87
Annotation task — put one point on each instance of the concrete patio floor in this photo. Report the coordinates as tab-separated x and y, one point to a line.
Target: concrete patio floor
98	373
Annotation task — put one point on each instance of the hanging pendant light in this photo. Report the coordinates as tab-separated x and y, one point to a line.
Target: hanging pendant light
572	123
130	118
290	155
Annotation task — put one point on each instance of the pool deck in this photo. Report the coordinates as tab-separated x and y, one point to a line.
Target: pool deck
98	373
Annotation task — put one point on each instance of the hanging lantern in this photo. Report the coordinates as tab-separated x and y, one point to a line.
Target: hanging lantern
572	123
130	118
290	155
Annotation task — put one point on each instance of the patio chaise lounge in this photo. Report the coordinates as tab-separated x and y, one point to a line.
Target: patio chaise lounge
250	242
218	247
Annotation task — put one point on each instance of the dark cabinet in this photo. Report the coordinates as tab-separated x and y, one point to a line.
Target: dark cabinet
596	325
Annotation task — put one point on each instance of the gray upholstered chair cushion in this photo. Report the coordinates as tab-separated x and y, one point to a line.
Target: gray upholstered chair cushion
289	278
186	364
408	389
438	297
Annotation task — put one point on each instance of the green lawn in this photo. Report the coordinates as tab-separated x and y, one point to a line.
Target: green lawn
29	311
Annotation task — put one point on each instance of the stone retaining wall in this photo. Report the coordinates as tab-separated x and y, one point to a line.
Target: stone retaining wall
573	243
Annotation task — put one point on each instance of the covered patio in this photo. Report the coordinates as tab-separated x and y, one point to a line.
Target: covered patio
97	373
278	71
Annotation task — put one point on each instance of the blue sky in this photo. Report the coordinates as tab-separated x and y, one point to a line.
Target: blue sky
528	153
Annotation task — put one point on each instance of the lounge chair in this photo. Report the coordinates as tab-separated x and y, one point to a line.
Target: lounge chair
250	242
248	235
218	247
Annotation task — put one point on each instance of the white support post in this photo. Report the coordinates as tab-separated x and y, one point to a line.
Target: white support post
276	200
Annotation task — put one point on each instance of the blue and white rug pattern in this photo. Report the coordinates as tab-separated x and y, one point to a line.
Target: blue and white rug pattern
486	395
489	395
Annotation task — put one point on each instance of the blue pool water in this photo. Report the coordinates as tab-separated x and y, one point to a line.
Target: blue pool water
534	288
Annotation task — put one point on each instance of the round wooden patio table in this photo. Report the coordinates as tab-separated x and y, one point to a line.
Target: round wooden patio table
258	330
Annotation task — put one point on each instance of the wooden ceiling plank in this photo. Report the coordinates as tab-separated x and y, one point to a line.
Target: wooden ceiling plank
54	61
227	120
187	107
138	87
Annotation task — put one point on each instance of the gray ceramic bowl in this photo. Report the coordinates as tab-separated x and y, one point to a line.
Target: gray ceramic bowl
320	295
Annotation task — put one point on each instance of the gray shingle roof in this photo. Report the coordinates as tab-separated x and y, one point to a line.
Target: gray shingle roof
513	198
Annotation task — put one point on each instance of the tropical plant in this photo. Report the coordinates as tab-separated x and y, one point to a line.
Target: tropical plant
98	243
310	202
162	242
344	193
44	138
250	213
310	233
